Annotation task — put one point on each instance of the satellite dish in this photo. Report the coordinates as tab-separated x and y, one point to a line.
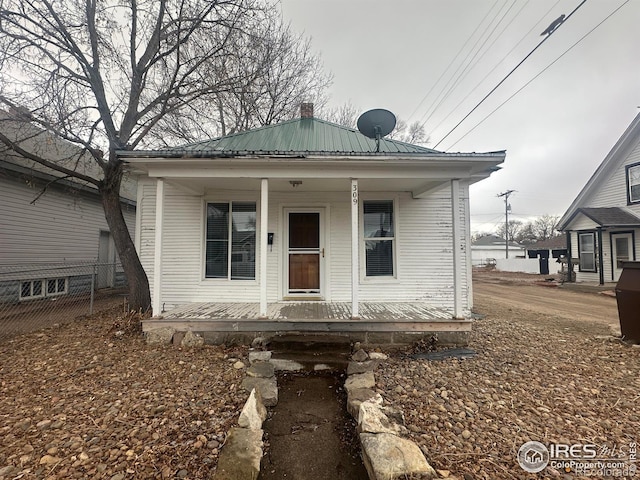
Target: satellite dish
376	124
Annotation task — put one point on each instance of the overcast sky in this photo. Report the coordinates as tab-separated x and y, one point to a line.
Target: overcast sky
390	54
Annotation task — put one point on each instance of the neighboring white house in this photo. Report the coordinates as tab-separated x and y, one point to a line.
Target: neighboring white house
305	221
51	227
603	222
487	249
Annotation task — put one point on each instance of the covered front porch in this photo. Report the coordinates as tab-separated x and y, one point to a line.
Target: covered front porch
400	318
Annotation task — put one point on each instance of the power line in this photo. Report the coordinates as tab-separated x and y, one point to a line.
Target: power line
509	74
468	65
497	64
539	73
452	62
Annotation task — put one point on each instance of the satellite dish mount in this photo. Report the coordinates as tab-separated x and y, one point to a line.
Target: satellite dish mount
376	124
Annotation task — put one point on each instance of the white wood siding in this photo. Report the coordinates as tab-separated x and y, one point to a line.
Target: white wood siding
613	191
59	227
423	243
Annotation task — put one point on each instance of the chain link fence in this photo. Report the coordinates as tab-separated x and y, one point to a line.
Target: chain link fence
36	296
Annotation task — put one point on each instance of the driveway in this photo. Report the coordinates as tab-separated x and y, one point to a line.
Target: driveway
558	301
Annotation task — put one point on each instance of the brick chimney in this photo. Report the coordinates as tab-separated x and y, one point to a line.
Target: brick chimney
306	110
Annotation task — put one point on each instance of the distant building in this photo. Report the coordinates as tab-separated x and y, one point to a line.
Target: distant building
549	252
488	248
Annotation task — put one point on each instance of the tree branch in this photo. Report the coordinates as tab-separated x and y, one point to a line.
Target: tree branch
47	163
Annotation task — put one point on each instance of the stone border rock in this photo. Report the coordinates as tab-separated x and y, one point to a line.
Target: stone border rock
385	454
241	456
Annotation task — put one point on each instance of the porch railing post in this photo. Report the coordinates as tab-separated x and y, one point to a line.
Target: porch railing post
355	265
264	218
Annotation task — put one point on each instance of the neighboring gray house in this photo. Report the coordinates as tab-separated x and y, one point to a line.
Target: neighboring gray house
305	226
487	249
51	228
603	222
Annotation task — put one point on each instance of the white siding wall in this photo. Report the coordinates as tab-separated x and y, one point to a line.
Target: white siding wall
424	247
59	227
613	192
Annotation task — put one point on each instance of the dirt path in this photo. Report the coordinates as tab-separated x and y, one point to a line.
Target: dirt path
310	433
547	300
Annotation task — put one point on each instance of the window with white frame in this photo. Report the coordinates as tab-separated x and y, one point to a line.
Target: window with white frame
379	237
633	183
48	287
587	251
231	241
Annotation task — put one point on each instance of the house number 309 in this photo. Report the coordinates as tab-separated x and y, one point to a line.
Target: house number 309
354	195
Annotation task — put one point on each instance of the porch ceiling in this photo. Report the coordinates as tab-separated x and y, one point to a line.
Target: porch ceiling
203	185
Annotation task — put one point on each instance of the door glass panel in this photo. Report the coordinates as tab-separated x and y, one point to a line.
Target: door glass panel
304	230
622	250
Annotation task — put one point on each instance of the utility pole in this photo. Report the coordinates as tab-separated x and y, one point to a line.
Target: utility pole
507	207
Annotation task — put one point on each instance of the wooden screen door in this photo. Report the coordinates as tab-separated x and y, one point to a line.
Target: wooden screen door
304	252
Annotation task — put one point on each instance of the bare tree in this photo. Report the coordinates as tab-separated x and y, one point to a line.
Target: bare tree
347	114
275	70
104	74
409	133
544	227
515	227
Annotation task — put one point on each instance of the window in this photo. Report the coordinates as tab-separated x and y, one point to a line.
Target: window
231	241
379	237
633	183
48	287
587	251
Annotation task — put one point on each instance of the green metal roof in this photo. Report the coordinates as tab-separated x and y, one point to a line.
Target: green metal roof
302	135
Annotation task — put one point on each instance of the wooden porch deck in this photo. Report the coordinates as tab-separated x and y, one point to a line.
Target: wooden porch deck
309	317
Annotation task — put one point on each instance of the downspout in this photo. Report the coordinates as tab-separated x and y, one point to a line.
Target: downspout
600	259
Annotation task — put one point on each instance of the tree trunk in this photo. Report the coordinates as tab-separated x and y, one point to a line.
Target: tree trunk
139	294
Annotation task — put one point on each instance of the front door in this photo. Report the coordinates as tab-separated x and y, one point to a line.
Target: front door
304	253
622	245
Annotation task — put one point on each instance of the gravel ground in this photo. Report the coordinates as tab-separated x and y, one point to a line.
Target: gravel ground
536	377
80	401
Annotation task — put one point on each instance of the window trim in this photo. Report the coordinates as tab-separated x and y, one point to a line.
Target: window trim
228	278
44	292
593	235
630	200
362	240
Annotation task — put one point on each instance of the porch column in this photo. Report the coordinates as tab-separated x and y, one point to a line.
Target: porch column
457	256
264	217
157	254
600	257
355	265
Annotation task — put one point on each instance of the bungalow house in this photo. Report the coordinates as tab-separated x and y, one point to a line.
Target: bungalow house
603	222
53	231
307	226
